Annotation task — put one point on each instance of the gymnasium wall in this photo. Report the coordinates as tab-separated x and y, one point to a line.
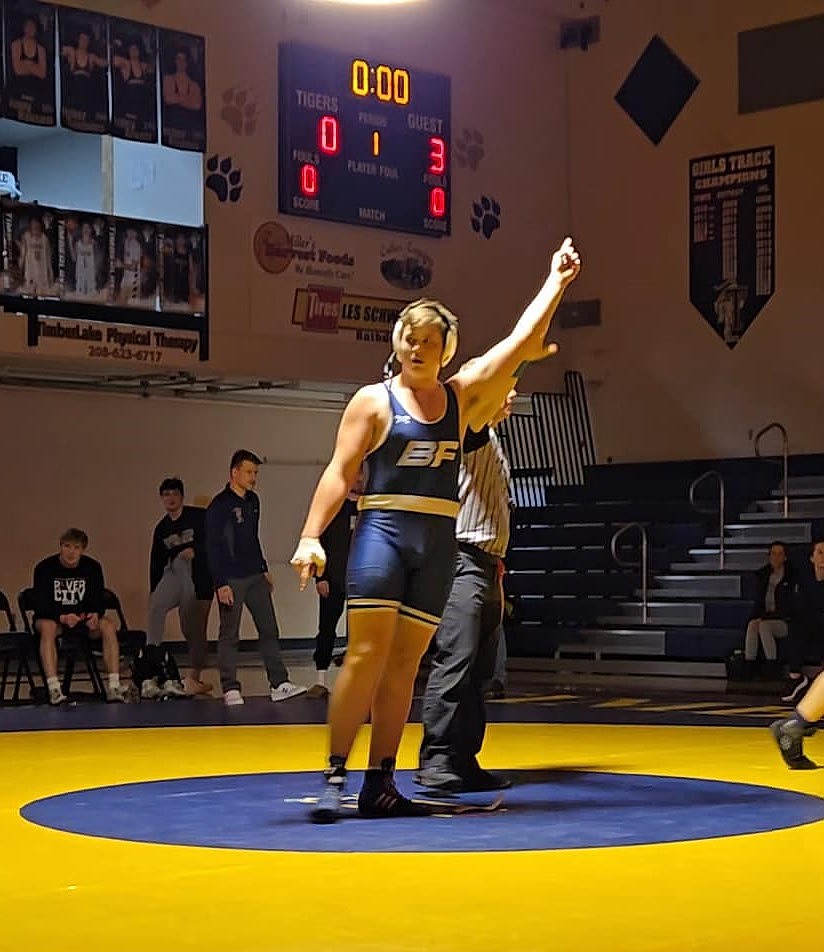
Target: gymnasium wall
508	159
662	382
96	460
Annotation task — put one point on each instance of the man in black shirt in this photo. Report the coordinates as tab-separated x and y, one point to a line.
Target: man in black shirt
241	577
69	596
806	640
179	578
806	628
331	585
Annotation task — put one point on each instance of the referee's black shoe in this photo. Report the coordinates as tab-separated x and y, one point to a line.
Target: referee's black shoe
480	780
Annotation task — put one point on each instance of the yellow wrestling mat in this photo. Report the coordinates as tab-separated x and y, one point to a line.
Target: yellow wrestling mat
512	886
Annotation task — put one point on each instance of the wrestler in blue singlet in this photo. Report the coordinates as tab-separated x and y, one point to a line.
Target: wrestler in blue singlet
403	550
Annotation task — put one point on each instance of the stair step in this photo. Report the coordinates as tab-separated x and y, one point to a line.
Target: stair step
743	556
698	584
763	538
805	482
704	593
758	531
799	492
812	506
658	613
612	621
615	641
710	567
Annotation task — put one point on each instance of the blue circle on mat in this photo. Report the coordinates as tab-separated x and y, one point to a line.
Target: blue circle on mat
544	810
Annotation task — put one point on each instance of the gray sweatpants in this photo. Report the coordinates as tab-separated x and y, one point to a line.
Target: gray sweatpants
176	590
255	594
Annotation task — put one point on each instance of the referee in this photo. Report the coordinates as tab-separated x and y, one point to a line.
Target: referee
454	717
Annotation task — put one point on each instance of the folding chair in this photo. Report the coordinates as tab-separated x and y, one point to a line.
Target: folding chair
14	646
132	640
72	646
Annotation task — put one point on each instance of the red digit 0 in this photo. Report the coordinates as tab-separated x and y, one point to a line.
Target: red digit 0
309	180
328	137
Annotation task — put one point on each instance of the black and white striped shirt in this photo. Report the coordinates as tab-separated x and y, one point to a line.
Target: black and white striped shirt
483	493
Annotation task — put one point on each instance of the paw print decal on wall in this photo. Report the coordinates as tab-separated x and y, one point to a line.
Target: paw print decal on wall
469	149
223	179
486	216
239	111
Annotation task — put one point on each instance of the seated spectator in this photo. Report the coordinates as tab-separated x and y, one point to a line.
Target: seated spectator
69	596
806	638
772	611
179	578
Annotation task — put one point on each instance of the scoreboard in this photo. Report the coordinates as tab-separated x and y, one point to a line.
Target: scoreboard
363	142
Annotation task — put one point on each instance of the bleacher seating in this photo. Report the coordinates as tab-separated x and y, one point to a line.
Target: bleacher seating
571	599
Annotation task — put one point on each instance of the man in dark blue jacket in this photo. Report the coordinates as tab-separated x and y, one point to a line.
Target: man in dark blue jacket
241	577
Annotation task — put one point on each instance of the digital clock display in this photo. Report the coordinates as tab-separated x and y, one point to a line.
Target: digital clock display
363	142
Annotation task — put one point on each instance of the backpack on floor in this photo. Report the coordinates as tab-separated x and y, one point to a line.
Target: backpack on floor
154	661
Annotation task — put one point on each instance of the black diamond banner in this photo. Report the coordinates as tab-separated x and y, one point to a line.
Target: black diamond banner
656	90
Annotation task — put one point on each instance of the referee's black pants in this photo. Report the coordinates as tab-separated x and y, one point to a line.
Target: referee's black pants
329	611
454	715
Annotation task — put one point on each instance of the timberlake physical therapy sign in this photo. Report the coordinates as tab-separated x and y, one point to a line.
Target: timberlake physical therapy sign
134	345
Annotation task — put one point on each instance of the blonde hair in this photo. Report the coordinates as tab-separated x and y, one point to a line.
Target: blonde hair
424	312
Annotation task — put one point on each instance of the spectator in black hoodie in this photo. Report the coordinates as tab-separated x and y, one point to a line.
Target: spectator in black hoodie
69	597
773	607
179	578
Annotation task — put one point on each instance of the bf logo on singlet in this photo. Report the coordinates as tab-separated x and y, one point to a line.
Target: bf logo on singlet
428	453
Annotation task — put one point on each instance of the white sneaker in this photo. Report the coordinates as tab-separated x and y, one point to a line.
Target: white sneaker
286	690
150	690
56	696
173	689
232	698
115	694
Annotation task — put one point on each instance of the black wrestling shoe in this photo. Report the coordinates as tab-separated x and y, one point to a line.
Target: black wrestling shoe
789	735
327	809
380	798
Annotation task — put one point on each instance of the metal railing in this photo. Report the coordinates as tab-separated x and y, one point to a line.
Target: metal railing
721	506
552	445
785	452
613	547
